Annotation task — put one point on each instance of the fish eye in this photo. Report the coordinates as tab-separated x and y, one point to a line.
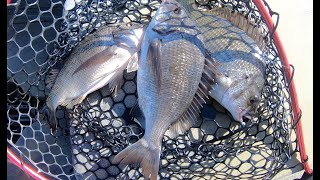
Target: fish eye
254	99
177	10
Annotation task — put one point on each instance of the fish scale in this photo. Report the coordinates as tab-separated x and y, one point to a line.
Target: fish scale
237	45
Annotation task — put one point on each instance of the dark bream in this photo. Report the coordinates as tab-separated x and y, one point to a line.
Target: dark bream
232	40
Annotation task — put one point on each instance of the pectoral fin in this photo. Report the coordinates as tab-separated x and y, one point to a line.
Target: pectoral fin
133	63
116	83
191	115
98	59
154	60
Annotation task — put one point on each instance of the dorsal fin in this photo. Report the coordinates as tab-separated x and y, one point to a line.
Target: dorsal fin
236	18
243	23
51	78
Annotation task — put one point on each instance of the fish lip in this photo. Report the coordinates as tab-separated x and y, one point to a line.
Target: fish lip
245	114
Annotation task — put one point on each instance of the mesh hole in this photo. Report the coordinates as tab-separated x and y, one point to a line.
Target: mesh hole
50	34
44	5
57	11
23	38
46	19
26	54
20	22
10	32
41	57
34	28
33	12
38	43
58	24
15	64
20	77
12	49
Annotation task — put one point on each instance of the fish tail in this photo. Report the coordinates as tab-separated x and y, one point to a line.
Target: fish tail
51	118
143	153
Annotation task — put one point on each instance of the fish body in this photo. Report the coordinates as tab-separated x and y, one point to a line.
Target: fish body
98	60
237	45
170	70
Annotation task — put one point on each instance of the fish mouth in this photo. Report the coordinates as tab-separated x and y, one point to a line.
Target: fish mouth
244	115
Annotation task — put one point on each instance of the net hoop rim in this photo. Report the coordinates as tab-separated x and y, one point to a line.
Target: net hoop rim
29	170
293	95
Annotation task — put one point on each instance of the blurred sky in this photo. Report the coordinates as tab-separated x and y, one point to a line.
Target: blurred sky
296	33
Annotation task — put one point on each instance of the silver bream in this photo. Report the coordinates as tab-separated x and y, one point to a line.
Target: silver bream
170	89
99	59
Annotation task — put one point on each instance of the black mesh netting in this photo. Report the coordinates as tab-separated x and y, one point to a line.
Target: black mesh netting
89	136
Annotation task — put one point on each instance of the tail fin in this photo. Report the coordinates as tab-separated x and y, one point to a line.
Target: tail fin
147	155
51	118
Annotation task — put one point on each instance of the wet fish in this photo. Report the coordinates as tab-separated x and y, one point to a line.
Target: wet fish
169	83
98	60
237	45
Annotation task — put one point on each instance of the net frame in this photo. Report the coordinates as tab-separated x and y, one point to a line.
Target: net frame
262	7
266	15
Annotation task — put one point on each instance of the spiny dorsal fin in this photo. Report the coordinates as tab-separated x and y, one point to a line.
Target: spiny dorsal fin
154	60
236	18
242	22
52	76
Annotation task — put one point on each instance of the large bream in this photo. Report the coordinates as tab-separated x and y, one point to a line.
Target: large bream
170	89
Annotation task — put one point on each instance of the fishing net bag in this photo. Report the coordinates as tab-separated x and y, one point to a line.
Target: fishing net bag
41	35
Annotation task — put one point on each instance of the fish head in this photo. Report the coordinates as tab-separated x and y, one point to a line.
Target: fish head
129	35
136	29
172	17
172	8
242	94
